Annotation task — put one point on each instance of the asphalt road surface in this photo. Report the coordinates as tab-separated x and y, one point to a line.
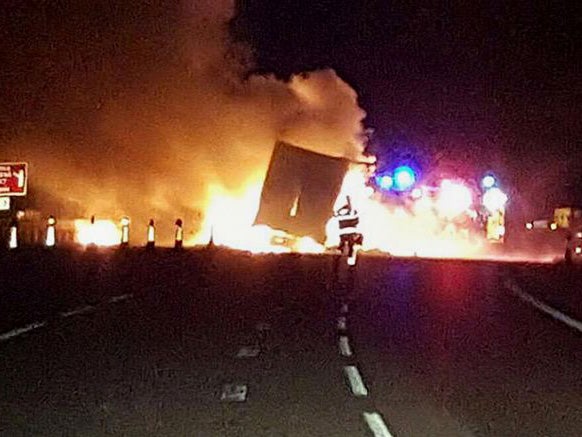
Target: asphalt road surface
221	343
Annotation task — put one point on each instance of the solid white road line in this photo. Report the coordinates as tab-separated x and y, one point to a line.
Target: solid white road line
120	298
77	311
377	425
355	379
573	323
344	346
19	331
341	323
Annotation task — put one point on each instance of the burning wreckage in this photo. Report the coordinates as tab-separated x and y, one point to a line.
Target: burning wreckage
303	191
309	202
299	193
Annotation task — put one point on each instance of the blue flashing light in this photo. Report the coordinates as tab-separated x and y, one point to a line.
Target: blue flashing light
488	181
404	178
385	182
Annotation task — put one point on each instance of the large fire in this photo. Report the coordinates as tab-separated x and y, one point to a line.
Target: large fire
422	229
229	222
100	232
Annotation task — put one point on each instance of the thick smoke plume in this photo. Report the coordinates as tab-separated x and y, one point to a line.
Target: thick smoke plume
141	118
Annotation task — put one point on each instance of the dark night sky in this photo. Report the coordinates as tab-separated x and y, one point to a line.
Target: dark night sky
494	83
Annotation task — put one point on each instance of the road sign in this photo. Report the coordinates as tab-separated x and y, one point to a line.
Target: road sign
4	203
13	178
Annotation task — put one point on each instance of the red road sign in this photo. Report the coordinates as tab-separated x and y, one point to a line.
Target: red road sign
13	178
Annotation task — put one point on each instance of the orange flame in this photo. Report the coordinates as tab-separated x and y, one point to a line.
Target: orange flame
414	231
229	221
100	233
417	229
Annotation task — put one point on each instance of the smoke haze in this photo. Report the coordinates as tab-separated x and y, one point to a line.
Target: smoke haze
136	111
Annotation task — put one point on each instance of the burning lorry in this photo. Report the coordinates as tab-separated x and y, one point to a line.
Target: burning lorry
299	193
303	189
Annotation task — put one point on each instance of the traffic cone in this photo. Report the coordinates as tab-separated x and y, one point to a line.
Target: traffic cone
124	232
92	244
51	237
151	242
13	237
211	240
178	241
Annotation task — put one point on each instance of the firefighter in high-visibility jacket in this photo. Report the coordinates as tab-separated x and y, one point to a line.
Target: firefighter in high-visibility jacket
348	221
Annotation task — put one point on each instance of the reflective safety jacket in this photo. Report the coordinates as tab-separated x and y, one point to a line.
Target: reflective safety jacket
348	224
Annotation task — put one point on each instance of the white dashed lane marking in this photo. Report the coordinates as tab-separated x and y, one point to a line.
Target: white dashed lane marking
357	385
341	323
344	345
234	393
75	312
120	298
248	352
344	308
526	297
83	310
377	425
263	326
19	331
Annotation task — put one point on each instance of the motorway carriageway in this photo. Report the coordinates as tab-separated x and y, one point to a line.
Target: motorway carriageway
222	343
